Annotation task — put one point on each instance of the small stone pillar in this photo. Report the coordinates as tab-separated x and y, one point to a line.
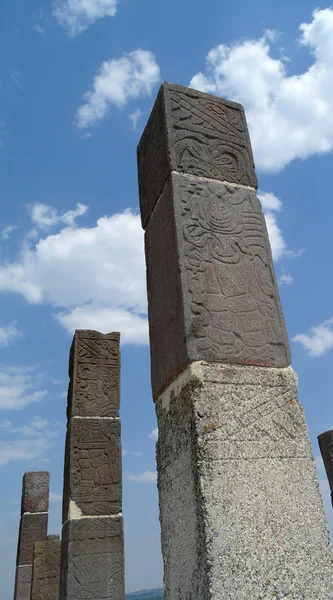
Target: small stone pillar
92	552
240	510
325	441
33	528
46	569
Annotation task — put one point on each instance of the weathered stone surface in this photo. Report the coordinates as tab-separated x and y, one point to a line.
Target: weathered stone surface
325	441
92	559
23	577
192	133
35	492
240	509
33	528
93	467
218	298
94	370
46	569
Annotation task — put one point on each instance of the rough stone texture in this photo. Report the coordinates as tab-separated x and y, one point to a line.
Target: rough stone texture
193	133
35	492
218	298
240	509
94	370
93	467
46	569
33	528
23	576
92	559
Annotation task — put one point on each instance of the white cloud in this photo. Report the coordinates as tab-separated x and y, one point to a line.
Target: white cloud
41	20
146	477
9	333
6	232
271	203
153	435
285	279
54	497
19	386
289	116
119	80
94	276
44	216
36	438
320	339
135	116
76	15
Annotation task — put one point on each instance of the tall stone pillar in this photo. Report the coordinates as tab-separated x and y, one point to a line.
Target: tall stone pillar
92	551
325	441
240	510
33	528
46	569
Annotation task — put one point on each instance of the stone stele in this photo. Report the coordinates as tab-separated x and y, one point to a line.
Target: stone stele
46	569
218	298
192	133
23	577
240	509
35	492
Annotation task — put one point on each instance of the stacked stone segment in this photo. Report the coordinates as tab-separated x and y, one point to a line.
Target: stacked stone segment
33	528
240	510
46	569
92	552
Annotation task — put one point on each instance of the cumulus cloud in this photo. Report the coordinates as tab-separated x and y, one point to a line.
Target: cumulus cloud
118	81
319	340
76	15
289	116
19	386
6	232
153	435
146	477
34	440
285	279
94	277
271	204
9	333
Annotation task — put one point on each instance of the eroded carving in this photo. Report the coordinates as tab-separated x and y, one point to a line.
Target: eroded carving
35	492
23	577
46	570
232	304
95	466
33	528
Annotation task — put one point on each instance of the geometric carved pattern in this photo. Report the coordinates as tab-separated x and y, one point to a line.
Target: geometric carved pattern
46	570
95	375
94	566
94	466
218	299
23	578
196	134
33	528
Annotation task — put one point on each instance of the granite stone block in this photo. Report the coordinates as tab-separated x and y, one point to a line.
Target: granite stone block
35	492
93	467
240	509
23	576
33	528
212	292
46	569
193	133
94	371
93	559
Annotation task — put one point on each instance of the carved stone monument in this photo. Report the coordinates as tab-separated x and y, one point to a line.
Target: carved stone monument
46	569
240	510
92	552
33	528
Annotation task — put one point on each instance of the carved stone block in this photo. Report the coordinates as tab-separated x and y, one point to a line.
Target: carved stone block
94	370
23	577
35	492
218	299
93	467
33	528
325	441
192	133
93	559
46	570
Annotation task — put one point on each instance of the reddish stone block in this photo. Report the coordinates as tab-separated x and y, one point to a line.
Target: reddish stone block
35	492
33	528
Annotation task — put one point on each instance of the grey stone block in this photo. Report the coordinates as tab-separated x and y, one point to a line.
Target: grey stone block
94	369
240	509
35	492
33	528
92	475
46	570
325	441
212	292
93	559
23	576
193	133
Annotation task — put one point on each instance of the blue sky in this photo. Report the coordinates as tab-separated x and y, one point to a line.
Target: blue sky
77	80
